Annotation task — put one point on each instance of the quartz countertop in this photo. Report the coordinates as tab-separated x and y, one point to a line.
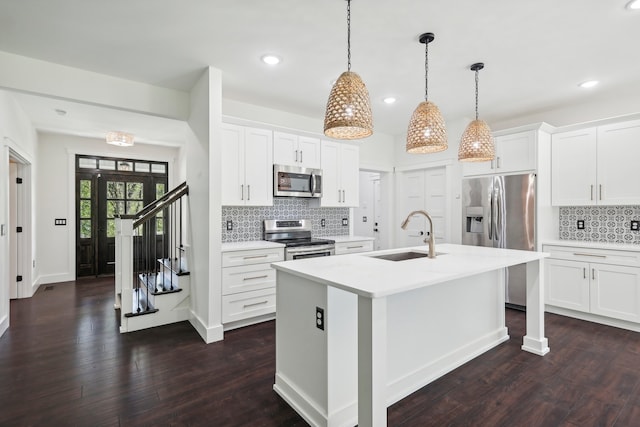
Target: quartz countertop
347	239
374	278
249	245
594	245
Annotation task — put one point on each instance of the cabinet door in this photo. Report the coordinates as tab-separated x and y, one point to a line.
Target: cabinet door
615	291
258	167
573	168
285	149
331	192
350	175
309	152
567	284
618	172
232	165
516	153
478	168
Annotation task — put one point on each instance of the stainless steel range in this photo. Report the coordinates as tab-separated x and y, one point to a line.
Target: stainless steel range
296	236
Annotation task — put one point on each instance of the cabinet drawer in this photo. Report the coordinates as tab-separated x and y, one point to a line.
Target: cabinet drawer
603	256
354	247
258	256
248	304
247	278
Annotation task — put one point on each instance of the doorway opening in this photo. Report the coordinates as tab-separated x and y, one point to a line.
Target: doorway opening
19	227
372	216
106	188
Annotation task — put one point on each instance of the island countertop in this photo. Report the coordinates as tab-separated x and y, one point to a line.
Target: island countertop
370	277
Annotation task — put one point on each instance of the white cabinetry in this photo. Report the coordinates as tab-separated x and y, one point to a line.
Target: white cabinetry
340	174
596	165
246	166
514	153
295	150
354	246
248	285
600	282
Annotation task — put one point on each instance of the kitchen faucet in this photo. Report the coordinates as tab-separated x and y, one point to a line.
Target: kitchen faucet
432	248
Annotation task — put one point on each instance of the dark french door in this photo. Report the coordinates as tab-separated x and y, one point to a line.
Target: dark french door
104	194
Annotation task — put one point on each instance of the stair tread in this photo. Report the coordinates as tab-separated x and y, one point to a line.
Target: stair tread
149	280
173	265
140	302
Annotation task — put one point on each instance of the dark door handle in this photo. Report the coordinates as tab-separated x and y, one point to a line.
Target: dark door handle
422	233
375	229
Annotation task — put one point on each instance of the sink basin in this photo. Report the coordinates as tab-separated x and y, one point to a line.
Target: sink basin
403	256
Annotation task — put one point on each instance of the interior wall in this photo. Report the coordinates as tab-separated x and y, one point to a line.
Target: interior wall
364	215
55	183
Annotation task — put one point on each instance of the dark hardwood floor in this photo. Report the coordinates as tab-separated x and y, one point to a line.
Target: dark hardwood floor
64	363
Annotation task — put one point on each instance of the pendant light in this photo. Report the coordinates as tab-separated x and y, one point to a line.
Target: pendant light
348	114
476	144
427	132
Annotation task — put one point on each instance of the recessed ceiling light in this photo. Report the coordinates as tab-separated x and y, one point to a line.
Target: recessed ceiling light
389	100
588	84
633	5
60	112
271	59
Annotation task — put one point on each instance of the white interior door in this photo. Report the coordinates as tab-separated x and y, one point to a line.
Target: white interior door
364	214
13	235
377	214
435	200
413	186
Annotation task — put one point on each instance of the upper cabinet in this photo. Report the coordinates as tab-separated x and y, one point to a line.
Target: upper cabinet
596	166
340	175
247	166
295	150
514	153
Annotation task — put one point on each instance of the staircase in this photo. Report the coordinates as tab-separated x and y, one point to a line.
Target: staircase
152	282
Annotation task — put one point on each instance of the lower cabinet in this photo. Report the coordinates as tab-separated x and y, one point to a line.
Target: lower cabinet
353	247
248	285
608	286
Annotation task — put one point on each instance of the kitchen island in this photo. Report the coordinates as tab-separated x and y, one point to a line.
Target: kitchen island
356	333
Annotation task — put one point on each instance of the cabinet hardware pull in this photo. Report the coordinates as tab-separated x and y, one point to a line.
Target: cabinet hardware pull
584	272
594	255
301	161
254	304
344	196
593	273
241	191
355	247
248	192
339	194
256	277
296	156
600	191
255	256
498	162
591	191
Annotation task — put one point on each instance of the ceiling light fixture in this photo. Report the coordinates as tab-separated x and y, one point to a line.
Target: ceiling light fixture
60	112
271	59
348	113
588	84
633	5
121	139
476	144
389	100
427	132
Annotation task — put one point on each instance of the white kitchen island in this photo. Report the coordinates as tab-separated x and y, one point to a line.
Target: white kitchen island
390	327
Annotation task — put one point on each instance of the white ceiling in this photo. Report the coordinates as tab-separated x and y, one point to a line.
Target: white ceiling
536	52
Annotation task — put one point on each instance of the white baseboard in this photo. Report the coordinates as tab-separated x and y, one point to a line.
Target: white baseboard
208	334
55	278
622	324
4	325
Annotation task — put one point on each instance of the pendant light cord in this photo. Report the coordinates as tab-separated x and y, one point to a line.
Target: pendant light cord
348	35
426	71
477	94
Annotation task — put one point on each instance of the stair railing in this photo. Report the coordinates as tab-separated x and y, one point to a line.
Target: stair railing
149	245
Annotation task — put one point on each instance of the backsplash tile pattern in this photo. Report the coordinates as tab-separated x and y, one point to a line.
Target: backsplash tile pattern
611	224
247	220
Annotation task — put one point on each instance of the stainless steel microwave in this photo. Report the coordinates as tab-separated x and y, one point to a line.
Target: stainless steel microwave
294	181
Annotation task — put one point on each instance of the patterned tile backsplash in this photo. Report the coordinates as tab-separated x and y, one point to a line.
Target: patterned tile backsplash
247	220
611	224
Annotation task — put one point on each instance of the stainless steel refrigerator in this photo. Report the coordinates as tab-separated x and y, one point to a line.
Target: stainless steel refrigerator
500	212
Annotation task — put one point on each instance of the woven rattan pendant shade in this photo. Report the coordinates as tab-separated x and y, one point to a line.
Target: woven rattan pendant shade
427	132
476	144
348	114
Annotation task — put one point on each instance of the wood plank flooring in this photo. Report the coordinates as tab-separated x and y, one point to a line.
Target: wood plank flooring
64	363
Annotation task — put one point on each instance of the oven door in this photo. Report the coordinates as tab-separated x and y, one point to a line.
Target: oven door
302	252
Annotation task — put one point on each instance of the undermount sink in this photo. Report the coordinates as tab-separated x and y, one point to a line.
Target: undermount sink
403	256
